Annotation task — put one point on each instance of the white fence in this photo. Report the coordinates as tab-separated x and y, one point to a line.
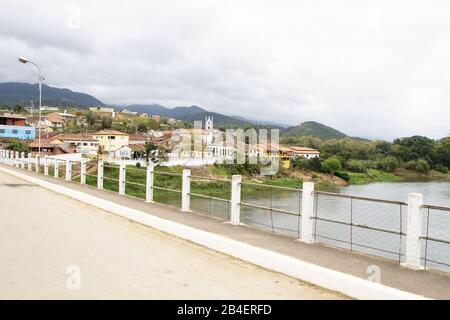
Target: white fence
392	229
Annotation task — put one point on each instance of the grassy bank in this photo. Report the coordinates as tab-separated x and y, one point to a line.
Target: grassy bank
372	175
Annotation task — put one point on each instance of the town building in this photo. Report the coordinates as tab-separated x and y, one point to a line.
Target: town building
83	142
308	153
156	117
53	120
13	127
104	110
111	140
51	146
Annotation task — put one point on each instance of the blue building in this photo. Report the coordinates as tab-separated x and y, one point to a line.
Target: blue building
18	132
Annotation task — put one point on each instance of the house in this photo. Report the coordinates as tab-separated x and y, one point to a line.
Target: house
139	138
135	151
13	126
8	119
54	120
111	140
123	152
156	117
83	142
128	112
104	111
308	153
51	146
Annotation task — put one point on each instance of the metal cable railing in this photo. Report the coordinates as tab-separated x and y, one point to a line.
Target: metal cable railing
111	177
436	237
211	196
367	225
167	188
272	208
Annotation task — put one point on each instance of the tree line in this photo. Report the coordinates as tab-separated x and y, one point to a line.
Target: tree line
416	153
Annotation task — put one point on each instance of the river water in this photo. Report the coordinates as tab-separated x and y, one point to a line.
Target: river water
434	192
343	221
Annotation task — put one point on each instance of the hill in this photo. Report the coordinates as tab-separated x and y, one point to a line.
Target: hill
189	114
312	128
12	93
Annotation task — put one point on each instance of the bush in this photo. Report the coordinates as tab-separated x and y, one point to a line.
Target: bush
441	168
331	165
419	165
389	163
138	164
360	165
343	175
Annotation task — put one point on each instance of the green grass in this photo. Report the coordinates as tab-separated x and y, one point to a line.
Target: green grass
372	175
285	182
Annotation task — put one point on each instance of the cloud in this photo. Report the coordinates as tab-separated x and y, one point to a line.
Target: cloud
371	69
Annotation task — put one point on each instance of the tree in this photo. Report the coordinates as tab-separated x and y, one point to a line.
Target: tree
142	127
419	165
443	152
331	165
91	118
106	123
416	147
151	152
19	146
20	109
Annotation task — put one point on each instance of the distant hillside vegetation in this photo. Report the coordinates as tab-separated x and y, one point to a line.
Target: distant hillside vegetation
189	114
12	93
312	128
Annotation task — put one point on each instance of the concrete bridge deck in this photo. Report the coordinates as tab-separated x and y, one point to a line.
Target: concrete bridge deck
426	283
44	235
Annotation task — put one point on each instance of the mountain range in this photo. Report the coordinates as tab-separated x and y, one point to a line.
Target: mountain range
12	93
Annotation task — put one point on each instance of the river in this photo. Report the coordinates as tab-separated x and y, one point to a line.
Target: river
434	192
349	213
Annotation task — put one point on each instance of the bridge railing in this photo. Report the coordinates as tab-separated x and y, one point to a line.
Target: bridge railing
414	234
272	208
435	238
368	225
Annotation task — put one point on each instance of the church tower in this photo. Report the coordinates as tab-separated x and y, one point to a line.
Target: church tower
209	123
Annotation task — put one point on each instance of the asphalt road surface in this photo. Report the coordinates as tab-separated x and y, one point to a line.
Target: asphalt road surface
53	247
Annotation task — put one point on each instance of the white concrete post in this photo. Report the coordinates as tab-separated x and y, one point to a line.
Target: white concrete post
29	161
17	159
122	182
307	212
68	170
149	183
83	172
185	191
100	174
414	231
22	160
37	164
11	157
56	170
45	166
236	199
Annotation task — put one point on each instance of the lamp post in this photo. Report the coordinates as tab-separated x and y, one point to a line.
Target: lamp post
40	79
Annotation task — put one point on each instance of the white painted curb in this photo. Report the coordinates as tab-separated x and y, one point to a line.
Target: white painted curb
326	278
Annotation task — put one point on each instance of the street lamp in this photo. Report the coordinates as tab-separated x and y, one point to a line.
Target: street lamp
40	79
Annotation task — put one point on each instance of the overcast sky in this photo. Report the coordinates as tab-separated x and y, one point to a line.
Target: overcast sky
377	69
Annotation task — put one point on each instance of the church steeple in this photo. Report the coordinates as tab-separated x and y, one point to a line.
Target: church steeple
209	123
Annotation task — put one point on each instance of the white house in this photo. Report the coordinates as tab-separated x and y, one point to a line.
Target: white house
123	153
